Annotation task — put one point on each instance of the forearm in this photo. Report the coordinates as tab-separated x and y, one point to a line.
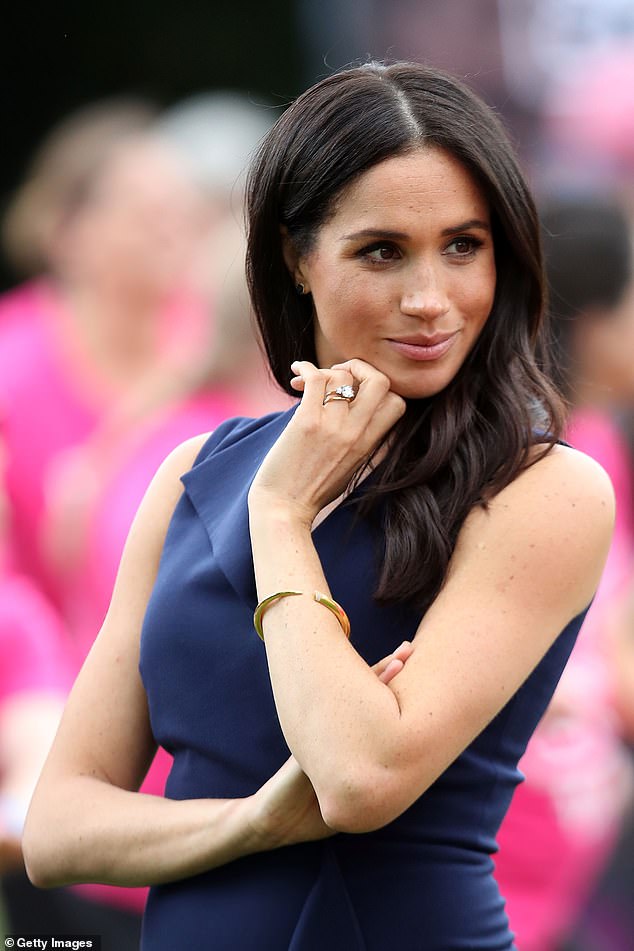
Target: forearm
87	830
338	718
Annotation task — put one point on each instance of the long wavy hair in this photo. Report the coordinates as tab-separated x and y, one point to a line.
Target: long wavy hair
458	448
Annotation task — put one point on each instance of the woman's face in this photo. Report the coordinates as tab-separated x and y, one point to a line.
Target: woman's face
402	275
140	226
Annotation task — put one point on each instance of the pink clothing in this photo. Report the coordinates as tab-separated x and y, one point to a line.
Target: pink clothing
30	637
564	819
51	401
126	472
32	666
45	407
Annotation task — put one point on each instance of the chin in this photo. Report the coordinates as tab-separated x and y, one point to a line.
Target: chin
420	390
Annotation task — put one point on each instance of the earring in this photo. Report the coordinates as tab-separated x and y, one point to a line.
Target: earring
300	288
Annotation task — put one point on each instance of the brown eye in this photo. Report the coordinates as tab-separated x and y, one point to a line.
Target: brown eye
463	246
381	252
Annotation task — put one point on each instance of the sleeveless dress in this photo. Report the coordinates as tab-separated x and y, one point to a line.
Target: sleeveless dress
422	883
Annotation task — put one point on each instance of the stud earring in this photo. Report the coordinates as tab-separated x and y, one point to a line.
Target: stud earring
300	288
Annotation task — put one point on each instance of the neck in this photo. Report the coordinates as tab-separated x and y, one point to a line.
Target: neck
118	333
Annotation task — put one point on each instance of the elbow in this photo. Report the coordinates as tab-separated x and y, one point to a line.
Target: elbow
42	861
363	804
37	868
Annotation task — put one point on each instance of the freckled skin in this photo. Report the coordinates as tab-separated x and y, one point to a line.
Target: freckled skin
420	272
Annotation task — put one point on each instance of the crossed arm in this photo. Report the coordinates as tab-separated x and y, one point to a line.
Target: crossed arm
365	743
520	571
87	821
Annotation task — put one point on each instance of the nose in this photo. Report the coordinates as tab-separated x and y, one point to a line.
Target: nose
424	295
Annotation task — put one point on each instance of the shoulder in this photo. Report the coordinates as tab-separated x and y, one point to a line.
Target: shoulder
565	482
244	428
167	484
551	526
160	499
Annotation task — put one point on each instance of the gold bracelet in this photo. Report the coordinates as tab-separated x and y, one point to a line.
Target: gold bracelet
327	602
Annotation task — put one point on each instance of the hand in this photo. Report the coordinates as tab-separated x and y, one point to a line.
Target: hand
285	809
313	460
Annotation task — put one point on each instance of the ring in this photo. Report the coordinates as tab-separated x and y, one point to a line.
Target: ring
345	393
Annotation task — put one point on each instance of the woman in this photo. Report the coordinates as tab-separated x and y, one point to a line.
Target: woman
394	261
107	223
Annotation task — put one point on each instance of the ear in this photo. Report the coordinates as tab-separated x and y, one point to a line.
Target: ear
292	259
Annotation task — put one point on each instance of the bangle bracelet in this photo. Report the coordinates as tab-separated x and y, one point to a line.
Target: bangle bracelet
327	602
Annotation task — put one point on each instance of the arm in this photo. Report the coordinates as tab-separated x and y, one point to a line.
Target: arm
86	821
520	572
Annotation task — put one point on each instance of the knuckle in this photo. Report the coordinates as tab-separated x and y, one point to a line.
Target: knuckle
399	404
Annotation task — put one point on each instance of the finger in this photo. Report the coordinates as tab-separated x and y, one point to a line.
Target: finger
403	652
363	372
317	382
388	411
394	667
380	665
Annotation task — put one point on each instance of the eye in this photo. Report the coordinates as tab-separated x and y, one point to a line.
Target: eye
464	246
380	252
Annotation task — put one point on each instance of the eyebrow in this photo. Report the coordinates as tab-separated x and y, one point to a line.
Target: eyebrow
473	223
375	233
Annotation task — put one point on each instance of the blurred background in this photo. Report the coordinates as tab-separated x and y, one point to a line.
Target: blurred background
125	324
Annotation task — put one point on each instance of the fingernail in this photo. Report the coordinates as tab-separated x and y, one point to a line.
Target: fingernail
404	644
294	365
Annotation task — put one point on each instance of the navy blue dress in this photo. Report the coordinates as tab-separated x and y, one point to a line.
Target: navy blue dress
424	882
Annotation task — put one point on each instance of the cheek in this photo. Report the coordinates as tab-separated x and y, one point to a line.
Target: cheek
340	301
477	296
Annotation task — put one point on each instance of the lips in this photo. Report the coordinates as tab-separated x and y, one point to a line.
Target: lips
424	348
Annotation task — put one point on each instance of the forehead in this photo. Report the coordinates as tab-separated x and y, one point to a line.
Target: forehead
428	183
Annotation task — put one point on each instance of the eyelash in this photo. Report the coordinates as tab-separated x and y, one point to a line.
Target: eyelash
474	243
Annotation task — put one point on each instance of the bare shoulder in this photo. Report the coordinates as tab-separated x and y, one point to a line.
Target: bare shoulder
566	483
147	534
178	462
166	486
552	525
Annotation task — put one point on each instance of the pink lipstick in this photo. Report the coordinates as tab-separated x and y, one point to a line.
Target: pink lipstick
424	348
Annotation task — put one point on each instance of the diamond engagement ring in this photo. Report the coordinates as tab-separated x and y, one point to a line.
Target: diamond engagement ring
345	393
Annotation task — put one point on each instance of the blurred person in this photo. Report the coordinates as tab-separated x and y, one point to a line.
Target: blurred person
565	818
213	135
34	682
109	221
86	531
95	486
395	270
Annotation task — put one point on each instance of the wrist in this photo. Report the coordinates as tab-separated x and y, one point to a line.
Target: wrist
273	510
251	829
263	832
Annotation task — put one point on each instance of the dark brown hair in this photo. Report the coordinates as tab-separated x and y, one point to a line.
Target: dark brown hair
458	448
